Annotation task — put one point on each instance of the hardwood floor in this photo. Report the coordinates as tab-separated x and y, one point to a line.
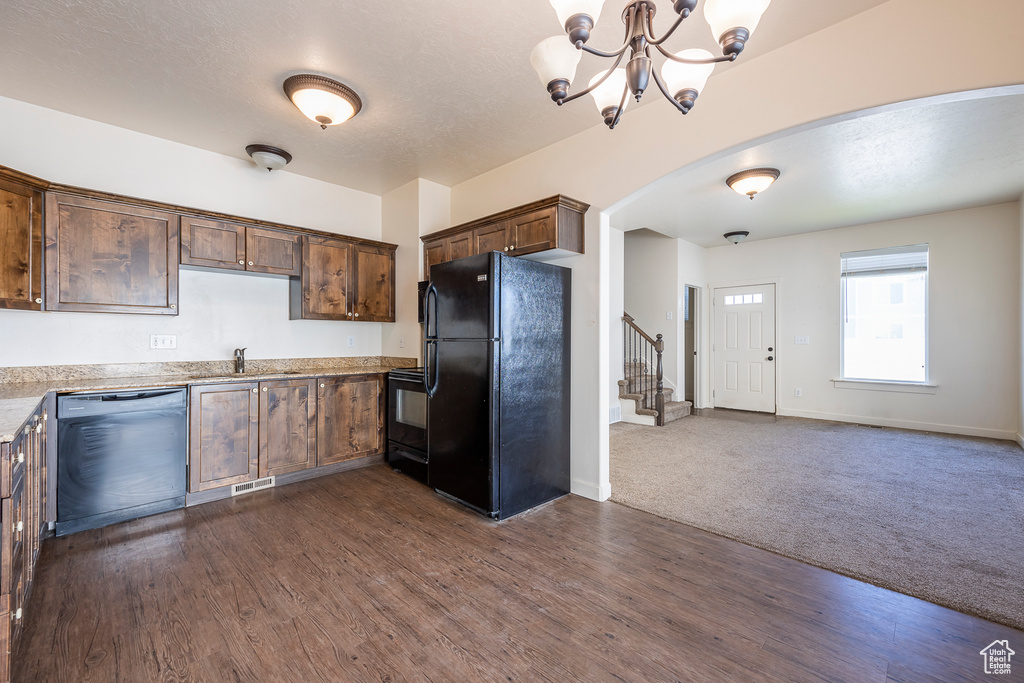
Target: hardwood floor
368	575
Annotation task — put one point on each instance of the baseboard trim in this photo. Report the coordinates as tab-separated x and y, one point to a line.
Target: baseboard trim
1020	440
1004	435
598	492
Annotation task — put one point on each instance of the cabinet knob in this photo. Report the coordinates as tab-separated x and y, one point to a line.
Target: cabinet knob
512	248
250	263
255	390
17	614
19	526
242	262
506	248
357	315
21	456
173	306
322	386
264	388
38	300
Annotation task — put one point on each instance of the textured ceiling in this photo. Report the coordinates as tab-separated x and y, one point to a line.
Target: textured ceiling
897	162
447	87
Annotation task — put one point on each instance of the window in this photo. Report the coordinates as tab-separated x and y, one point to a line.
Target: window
740	299
885	314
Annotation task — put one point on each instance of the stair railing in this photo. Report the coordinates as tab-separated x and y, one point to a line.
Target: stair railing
639	350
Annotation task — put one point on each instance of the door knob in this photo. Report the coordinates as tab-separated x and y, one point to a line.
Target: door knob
771	358
770	349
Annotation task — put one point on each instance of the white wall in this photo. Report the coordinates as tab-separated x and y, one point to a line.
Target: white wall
1020	385
652	291
217	311
616	302
974	319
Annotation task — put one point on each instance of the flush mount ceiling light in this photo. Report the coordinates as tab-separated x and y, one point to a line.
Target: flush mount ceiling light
322	99
752	181
683	75
270	158
736	236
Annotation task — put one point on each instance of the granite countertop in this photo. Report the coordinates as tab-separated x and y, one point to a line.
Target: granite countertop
19	398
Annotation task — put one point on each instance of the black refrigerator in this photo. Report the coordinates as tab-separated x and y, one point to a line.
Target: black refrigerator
496	369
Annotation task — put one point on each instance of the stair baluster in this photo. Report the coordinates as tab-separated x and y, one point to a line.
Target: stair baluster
641	352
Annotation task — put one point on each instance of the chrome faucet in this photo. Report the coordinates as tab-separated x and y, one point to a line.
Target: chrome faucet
240	360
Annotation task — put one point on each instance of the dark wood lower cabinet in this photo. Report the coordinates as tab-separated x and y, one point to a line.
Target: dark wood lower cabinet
287	426
350	418
223	435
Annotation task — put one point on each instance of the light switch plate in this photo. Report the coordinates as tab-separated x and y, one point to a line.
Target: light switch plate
799	339
163	341
668	315
351	340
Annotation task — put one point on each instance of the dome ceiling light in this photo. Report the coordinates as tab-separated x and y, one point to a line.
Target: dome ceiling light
736	236
322	99
270	158
683	75
752	181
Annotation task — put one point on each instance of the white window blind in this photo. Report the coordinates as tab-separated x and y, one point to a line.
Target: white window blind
888	261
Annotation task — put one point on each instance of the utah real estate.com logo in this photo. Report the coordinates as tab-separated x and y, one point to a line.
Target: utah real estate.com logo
997	657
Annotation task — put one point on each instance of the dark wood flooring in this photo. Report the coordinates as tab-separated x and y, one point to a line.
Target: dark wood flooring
369	576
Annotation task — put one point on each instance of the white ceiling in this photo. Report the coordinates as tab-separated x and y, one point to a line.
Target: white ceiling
916	158
447	86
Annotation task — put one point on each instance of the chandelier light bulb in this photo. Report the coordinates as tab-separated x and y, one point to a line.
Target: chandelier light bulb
577	17
322	99
608	95
733	21
555	60
686	81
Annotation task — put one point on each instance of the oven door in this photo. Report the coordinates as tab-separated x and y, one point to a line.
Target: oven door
407	421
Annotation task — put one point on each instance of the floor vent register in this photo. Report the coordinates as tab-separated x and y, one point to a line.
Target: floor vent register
250	486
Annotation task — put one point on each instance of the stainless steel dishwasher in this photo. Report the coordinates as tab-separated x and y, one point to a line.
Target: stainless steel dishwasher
119	456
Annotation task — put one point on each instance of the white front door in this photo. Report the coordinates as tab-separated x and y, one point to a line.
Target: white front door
744	348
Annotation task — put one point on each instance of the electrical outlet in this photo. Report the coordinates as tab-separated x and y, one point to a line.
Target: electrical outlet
163	341
401	342
798	393
351	340
799	339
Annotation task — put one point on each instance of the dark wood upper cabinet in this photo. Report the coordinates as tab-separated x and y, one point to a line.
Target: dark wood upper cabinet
213	244
273	251
223	435
287	426
342	280
554	225
110	258
21	246
350	418
373	277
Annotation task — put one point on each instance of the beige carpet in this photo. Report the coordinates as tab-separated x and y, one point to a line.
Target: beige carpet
934	516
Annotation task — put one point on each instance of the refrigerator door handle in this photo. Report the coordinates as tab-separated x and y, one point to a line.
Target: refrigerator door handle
430	346
431	315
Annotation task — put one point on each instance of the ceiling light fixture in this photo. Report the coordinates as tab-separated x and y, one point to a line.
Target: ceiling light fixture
270	158
322	99
736	236
753	180
683	75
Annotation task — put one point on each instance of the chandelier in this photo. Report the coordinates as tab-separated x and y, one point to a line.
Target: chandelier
683	75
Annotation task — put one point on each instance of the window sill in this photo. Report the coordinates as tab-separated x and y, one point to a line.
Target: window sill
899	387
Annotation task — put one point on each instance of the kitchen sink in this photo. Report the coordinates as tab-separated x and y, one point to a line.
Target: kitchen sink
245	375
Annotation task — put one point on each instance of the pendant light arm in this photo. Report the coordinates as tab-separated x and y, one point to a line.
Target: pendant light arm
622	105
597	84
684	60
648	27
628	40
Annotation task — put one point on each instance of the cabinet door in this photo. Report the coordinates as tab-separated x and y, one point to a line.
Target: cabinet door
110	258
21	247
490	238
460	246
213	244
273	251
350	418
533	232
323	290
223	435
373	284
287	426
433	253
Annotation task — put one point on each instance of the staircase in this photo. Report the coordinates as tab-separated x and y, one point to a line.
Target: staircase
642	394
